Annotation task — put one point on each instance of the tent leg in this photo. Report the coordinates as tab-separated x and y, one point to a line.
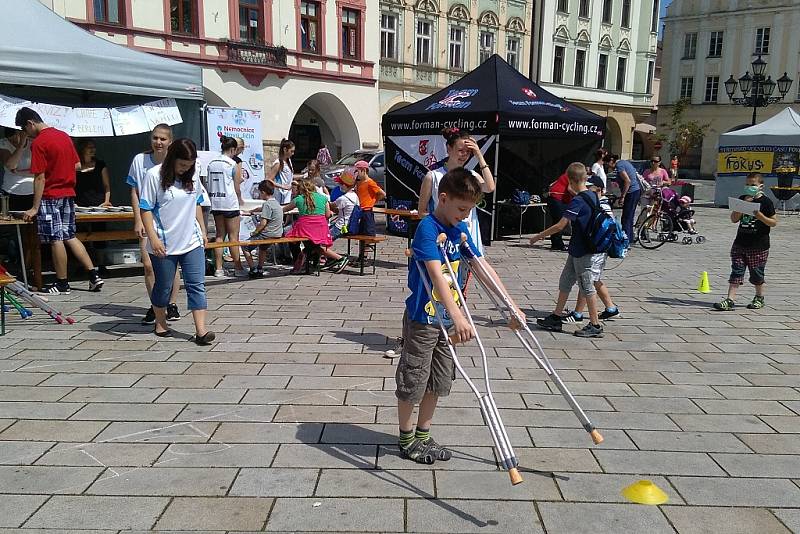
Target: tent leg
496	178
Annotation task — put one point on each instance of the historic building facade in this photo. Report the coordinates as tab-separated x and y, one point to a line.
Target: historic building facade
705	43
309	66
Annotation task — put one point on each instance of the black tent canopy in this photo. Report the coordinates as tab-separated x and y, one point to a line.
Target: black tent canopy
530	134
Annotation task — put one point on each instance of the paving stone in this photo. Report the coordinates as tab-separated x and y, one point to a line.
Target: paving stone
352	515
375	483
228	513
689	441
22	452
631	421
15	509
341	456
557	402
178	381
679	391
737	491
254	382
346	414
472	516
568	518
494	485
604	487
743	407
771	443
557	459
164	481
127	412
217	455
102	454
707	520
215	368
790	517
92	380
721	423
275	482
20	379
760	465
783	423
38	410
572	437
53	430
654	405
46	480
153	368
268	432
99	512
657	462
32	393
759	393
157	432
227	412
204	396
464	459
113	395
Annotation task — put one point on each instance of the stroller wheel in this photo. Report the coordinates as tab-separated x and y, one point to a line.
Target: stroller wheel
700	239
672	237
687	240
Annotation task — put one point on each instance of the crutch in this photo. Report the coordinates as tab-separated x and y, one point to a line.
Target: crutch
519	326
491	415
19	290
17	305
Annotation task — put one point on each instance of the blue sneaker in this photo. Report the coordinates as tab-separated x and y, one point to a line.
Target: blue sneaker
609	313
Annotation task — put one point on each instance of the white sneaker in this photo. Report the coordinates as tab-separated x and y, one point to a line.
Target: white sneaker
219	273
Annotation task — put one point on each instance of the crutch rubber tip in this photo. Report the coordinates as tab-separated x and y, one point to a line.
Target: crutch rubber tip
409	253
516	478
442	238
596	437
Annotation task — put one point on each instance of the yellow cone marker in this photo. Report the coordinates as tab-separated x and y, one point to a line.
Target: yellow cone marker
645	492
703	286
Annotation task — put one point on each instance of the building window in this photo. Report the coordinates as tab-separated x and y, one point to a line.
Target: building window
350	33
715	44
486	45
251	20
626	13
183	16
424	38
558	65
654	19
580	67
109	11
762	42
690	46
456	48
622	64
309	26
583	9
602	71
388	36
608	7
687	88
651	71
512	52
712	89
563	6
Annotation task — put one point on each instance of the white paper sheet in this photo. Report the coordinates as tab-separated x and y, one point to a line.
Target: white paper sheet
91	122
741	206
164	111
129	120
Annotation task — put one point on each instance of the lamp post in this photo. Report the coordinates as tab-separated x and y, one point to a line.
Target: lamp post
757	90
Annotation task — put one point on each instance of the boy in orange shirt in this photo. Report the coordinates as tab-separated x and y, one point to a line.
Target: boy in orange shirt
369	192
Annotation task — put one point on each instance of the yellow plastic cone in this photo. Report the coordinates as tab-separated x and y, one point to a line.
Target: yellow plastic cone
645	492
703	286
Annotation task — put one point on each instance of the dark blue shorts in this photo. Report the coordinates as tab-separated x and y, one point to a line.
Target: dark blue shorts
366	225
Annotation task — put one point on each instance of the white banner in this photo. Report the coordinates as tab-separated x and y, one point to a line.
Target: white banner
163	111
129	120
9	106
246	124
91	122
59	117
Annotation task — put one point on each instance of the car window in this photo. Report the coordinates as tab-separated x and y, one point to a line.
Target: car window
351	159
378	159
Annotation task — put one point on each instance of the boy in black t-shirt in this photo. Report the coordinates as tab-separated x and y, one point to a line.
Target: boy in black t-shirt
750	249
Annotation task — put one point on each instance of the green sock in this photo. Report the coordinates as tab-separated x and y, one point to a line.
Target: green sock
422	435
406	438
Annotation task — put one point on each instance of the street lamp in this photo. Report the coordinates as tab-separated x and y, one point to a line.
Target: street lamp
757	90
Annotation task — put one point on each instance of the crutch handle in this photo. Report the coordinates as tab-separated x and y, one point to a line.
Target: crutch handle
597	438
516	478
441	238
514	324
409	253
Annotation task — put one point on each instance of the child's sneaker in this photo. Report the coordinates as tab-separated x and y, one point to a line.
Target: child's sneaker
571	317
724	305
56	288
419	451
590	330
757	304
95	283
552	323
219	273
609	313
172	312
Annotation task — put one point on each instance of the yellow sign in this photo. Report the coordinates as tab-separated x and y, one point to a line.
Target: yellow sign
745	162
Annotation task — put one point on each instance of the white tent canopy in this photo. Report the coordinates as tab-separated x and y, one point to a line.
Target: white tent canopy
41	49
781	130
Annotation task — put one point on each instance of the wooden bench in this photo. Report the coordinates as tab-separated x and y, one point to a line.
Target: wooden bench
363	241
268	241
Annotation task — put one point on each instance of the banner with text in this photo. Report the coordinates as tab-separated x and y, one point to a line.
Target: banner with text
246	124
768	160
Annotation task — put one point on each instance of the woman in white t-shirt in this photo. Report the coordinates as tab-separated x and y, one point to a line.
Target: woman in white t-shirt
225	188
281	173
598	168
15	155
461	147
170	205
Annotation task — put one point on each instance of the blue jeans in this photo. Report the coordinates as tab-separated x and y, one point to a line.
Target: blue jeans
193	264
629	212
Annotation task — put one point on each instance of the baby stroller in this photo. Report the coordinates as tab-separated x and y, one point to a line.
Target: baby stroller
664	219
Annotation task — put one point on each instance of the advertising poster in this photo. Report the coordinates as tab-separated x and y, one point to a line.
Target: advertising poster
768	160
246	124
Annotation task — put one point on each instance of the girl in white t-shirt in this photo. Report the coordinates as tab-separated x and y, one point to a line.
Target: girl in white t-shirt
160	139
461	147
282	172
170	205
225	188
598	168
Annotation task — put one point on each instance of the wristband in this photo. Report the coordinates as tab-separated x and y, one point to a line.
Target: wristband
484	166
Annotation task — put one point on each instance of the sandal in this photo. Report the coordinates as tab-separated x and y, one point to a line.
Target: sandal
419	451
439	452
724	305
205	339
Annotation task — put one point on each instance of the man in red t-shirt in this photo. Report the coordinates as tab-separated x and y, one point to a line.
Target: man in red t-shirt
53	164
558	199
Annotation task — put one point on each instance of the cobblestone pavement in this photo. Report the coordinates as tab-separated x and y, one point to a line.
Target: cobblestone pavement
287	423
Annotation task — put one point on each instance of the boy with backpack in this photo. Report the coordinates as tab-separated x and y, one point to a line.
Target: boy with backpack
587	217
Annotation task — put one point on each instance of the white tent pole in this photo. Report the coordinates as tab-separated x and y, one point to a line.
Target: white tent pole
496	178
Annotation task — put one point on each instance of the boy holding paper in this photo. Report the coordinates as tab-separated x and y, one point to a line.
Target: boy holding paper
750	249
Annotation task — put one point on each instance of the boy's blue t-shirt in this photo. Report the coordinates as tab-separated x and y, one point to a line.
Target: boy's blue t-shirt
579	214
419	306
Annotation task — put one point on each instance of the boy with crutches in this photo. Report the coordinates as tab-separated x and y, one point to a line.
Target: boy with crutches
425	370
